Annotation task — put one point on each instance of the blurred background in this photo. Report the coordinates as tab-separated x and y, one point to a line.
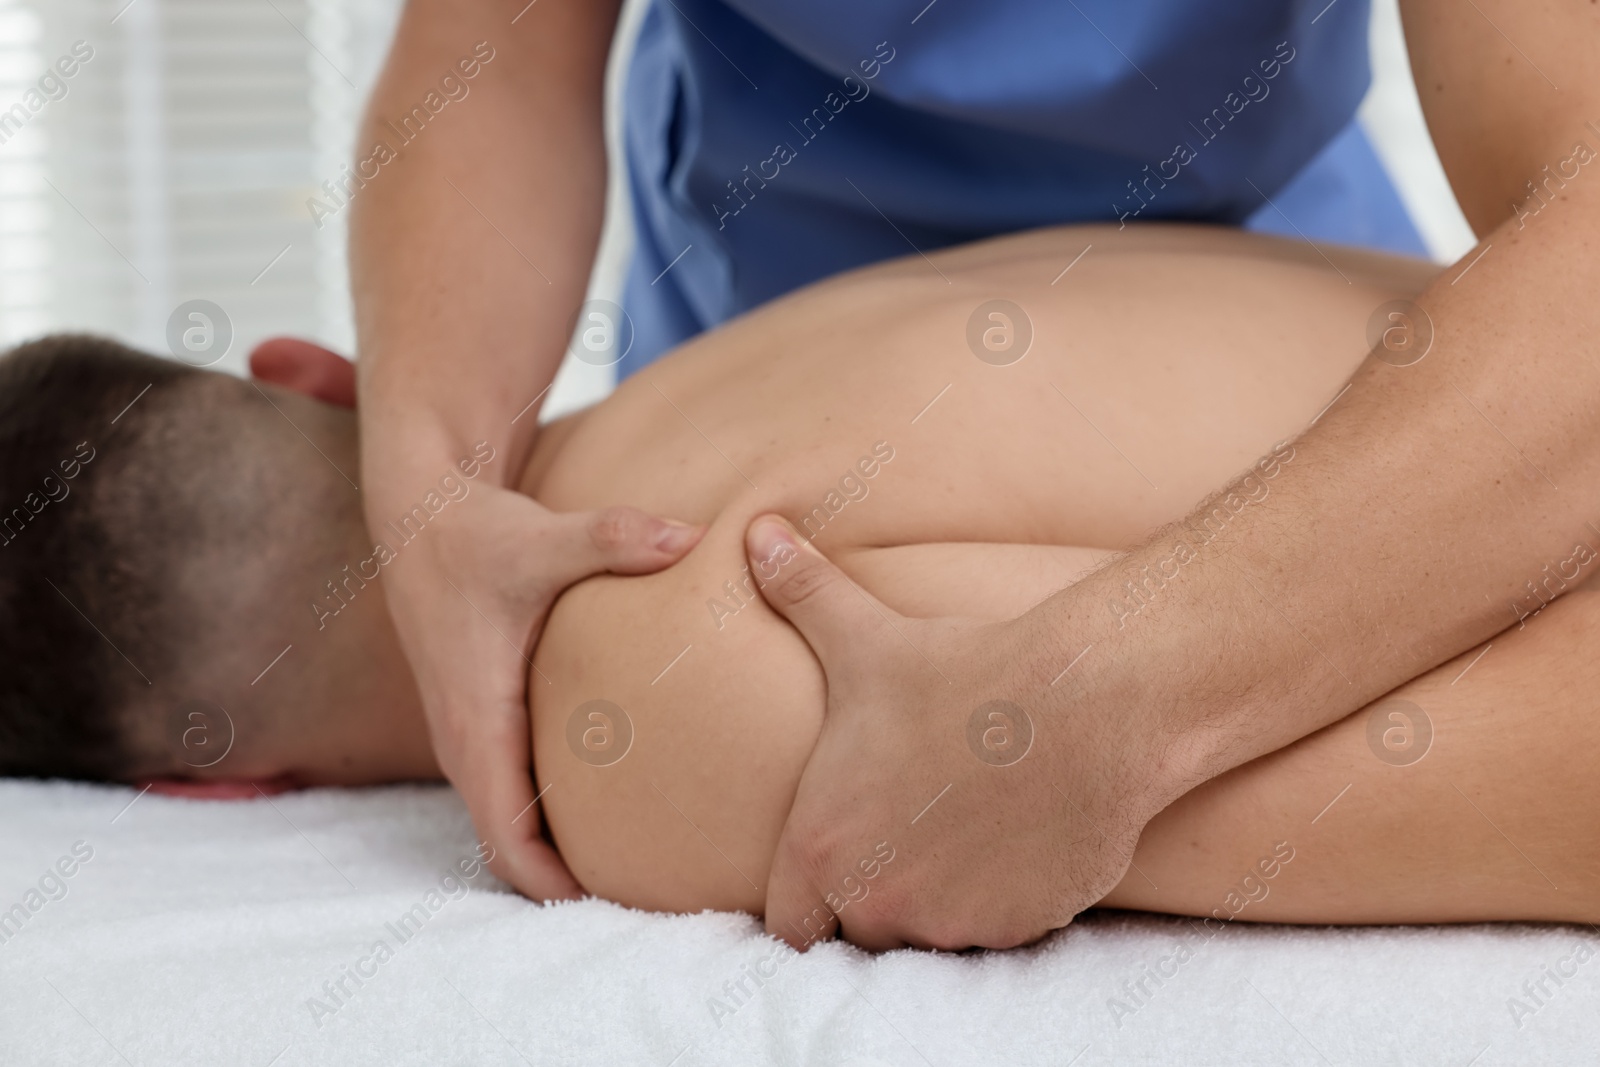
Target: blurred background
178	162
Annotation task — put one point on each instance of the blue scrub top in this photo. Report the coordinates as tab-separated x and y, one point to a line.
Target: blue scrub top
772	142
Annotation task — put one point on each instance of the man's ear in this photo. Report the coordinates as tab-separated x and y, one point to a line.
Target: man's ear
319	373
220	789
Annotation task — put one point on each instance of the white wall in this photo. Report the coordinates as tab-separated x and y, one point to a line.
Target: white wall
1391	115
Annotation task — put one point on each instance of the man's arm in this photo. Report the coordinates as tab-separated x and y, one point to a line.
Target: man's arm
470	251
1432	505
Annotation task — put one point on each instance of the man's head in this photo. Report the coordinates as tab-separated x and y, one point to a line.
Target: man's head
163	533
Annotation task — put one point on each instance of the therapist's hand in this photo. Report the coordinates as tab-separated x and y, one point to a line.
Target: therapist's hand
928	815
469	598
469	261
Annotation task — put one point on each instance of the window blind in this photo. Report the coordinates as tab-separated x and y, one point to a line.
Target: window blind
174	163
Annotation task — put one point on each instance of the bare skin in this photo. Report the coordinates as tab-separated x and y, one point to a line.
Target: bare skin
1176	362
460	331
456	335
1425	499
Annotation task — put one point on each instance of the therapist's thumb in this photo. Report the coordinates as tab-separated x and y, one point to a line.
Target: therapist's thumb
621	540
835	615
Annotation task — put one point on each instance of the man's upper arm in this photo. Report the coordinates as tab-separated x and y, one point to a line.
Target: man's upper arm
1507	86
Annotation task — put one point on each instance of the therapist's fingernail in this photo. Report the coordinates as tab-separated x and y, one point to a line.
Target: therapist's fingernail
773	534
769	535
676	536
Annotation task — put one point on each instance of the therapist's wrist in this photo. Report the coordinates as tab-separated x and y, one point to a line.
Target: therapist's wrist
406	452
1163	692
420	409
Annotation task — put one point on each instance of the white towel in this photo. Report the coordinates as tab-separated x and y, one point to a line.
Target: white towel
203	933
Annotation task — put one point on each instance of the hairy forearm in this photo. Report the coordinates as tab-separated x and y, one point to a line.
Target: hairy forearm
1434	503
1424	511
470	250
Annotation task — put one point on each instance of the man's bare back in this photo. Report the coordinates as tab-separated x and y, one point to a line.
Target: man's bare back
949	476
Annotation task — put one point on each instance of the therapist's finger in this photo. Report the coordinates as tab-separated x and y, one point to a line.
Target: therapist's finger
838	619
798	903
796	909
620	540
498	789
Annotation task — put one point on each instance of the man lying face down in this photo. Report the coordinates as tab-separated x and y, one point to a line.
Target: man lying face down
155	516
200	602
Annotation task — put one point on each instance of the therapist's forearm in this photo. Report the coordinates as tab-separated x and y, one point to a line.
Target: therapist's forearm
472	250
1434	504
1406	528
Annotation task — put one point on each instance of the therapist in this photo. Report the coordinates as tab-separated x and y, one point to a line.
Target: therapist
771	143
